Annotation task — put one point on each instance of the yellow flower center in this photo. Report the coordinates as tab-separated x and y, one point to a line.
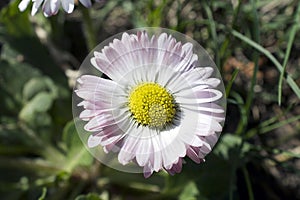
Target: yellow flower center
152	105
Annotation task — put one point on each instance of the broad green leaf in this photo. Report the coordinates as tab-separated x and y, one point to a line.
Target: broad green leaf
12	80
16	23
231	147
38	84
70	136
39	104
39	57
32	52
77	154
212	179
13	77
9	54
190	192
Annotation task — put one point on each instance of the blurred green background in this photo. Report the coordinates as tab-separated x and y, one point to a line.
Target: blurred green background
256	46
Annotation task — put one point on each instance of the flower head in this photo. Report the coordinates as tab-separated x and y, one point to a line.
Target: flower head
51	7
158	105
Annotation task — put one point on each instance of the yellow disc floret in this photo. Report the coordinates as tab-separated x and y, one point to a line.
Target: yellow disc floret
152	105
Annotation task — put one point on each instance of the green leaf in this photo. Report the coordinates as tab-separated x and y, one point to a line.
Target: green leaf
38	84
231	146
77	154
11	87
90	196
43	196
212	179
39	104
16	23
229	84
190	192
292	35
30	49
70	136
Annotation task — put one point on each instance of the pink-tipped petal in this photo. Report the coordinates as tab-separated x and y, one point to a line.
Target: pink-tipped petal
176	168
148	171
192	154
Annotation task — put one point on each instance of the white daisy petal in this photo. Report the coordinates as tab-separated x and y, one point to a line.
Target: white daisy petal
173	151
156	157
86	3
51	7
193	155
209	108
188	58
213	124
144	150
148	170
97	89
211	139
105	66
112	145
194	141
206	148
23	5
176	167
87	115
127	152
35	6
68	5
204	72
110	140
99	122
203	96
93	141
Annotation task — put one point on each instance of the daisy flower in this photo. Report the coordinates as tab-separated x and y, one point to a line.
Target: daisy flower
161	103
51	7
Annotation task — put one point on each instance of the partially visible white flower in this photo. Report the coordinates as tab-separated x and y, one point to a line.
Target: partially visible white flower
51	7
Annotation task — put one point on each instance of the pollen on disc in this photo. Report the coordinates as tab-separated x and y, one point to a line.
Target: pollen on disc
152	105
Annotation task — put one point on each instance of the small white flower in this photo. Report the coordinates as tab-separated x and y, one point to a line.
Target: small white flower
158	106
51	7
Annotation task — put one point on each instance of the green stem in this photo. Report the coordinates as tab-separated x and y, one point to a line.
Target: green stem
248	183
250	97
243	113
47	150
75	160
280	124
256	36
213	31
288	51
229	84
90	32
43	195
